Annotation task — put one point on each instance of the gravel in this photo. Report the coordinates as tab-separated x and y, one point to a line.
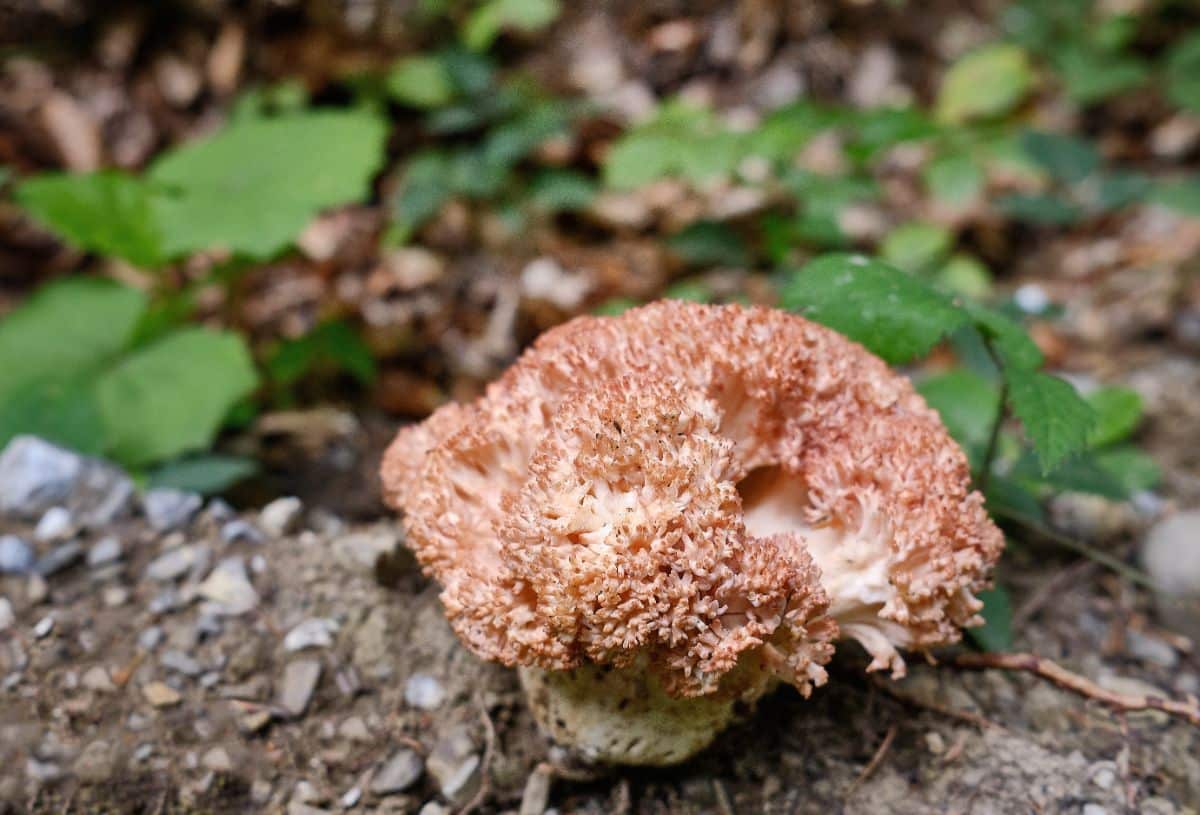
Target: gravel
56	524
399	773
424	692
104	551
281	516
16	556
35	476
7	617
229	589
172	564
170	509
313	633
1171	556
299	682
60	558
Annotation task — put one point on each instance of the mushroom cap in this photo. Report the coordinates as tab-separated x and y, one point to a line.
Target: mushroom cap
694	488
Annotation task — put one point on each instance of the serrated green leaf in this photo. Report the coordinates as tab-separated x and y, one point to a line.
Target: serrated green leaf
1079	473
1118	413
421	82
207	475
63	411
916	247
66	329
1056	419
894	315
170	397
996	632
1007	338
1134	469
709	243
1066	158
253	186
967	403
954	178
494	16
106	212
985	83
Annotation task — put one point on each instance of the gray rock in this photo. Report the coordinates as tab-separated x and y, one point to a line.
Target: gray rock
104	551
424	692
36	475
56	523
165	602
315	633
43	627
172	564
43	772
217	759
1171	556
7	618
537	791
350	798
434	808
455	765
220	511
102	494
96	763
301	808
1147	648
299	682
399	773
178	661
149	639
98	679
229	588
16	556
281	516
59	558
170	509
239	530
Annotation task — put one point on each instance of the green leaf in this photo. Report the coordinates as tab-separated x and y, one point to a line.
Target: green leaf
421	82
996	632
954	178
1183	72
1182	196
681	140
710	243
916	247
894	315
253	186
423	190
1056	420
1118	413
1008	498
171	397
207	475
63	411
1066	158
963	274
1009	340
875	130
330	347
1039	208
1118	188
615	306
1091	76
985	83
692	291
561	191
1081	473
493	16
105	212
1134	469
967	403
66	329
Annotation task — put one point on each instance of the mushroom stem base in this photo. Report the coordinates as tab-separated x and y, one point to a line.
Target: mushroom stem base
622	715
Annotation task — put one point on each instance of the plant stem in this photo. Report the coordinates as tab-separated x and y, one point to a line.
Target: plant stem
989	455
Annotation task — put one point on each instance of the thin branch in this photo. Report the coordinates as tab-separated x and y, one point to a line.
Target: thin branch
890	688
989	455
876	760
485	770
1187	709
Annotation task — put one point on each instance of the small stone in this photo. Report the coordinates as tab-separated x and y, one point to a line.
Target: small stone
1094	809
59	559
239	530
170	509
314	633
1147	648
354	729
180	662
1104	775
434	808
299	683
229	588
1171	556
43	627
7	617
16	556
166	601
43	772
424	692
454	764
104	551
217	759
56	524
281	516
934	743
350	798
35	475
143	752
399	773
160	694
37	589
252	718
96	763
96	678
306	793
537	792
301	808
172	564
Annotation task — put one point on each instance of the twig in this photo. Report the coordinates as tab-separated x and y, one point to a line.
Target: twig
1187	709
1048	591
724	805
982	722
876	760
485	769
989	456
623	803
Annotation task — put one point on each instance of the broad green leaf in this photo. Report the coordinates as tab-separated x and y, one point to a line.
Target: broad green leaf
985	83
66	329
1117	188
561	190
1091	76
785	131
63	411
965	275
1056	420
423	189
421	82
1081	473
171	397
996	632
1118	413
253	186
106	212
1039	208
710	243
494	16
1182	196
967	403
916	247
1183	72
1067	158
205	474
873	131
894	315
332	347
681	140
954	178
1008	498
692	291
1134	469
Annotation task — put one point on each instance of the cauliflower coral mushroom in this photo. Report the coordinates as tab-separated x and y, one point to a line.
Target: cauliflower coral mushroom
661	514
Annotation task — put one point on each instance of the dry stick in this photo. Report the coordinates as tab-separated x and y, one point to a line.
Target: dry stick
982	722
485	770
724	805
876	760
1188	709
